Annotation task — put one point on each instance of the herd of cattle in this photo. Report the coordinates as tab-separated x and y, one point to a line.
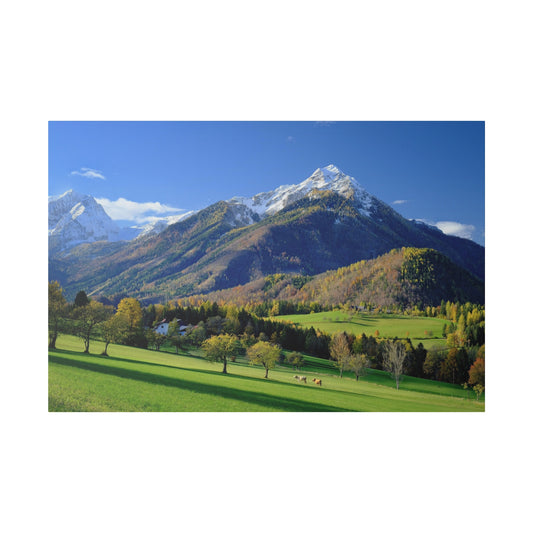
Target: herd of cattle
304	379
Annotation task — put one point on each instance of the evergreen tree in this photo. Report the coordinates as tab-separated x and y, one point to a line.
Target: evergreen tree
81	299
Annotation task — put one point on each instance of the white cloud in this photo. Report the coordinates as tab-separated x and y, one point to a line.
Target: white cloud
456	228
397	202
138	212
448	227
89	173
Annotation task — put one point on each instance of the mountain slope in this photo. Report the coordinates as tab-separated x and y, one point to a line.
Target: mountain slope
400	278
326	222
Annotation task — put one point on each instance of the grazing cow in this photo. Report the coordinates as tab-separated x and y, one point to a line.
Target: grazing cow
317	381
301	378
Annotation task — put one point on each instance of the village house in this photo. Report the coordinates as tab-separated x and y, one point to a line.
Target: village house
162	327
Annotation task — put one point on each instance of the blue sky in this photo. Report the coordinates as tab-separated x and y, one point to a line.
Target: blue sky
432	171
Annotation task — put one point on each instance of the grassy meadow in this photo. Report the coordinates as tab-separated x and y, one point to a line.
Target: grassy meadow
426	330
134	379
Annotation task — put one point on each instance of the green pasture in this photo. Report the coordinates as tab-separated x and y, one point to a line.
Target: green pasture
426	330
133	379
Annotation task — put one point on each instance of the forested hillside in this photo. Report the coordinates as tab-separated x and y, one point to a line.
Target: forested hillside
226	245
402	278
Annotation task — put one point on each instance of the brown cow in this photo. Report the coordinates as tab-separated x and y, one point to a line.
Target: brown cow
317	381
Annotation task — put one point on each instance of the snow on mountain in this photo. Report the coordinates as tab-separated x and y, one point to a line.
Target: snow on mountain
74	218
158	225
61	204
326	178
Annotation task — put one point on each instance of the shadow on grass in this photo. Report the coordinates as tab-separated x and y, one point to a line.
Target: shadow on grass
192	370
259	398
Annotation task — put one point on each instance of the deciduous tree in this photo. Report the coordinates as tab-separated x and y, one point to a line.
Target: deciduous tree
358	363
130	309
296	360
57	311
221	348
340	351
175	335
87	317
198	334
113	331
394	355
478	389
476	375
265	354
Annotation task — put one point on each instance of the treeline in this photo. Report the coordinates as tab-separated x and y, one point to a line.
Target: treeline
194	309
465	334
462	362
239	321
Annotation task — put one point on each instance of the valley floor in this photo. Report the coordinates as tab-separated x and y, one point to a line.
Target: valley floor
133	379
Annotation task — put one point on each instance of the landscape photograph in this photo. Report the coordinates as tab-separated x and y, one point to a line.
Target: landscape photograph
266	266
282	240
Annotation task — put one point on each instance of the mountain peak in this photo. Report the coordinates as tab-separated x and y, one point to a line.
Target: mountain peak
331	170
329	177
329	173
75	218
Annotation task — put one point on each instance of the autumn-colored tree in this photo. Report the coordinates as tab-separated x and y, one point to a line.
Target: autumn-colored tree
340	351
57	311
265	354
220	348
476	375
448	368
130	310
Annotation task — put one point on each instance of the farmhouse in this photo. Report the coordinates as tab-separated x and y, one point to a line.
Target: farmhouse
162	327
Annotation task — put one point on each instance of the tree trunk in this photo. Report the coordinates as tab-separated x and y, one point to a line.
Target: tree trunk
225	361
86	341
52	343
105	348
266	371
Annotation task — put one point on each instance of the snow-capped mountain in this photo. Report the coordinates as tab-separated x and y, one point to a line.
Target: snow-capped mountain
328	178
75	218
325	222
